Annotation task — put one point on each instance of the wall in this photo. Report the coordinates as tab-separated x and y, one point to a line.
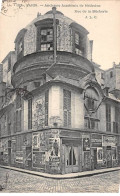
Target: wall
118	78
77	110
103	117
55	114
30	40
110	81
46	151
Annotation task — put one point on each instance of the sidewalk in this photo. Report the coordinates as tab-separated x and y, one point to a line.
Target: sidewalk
64	176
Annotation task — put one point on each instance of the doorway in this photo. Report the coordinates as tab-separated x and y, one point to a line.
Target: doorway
71	158
94	159
109	158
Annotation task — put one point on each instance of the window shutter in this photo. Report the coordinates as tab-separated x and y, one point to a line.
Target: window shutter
67	107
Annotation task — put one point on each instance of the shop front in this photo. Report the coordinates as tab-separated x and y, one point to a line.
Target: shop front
96	151
110	151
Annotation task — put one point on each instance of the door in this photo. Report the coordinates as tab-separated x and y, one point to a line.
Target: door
71	158
95	158
109	158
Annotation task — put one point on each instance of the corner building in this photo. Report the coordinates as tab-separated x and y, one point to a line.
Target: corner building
56	115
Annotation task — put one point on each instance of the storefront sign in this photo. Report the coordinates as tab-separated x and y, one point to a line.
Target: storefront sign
96	140
19	157
109	141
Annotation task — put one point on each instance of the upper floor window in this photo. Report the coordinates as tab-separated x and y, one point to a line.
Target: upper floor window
108	117
67	108
46	39
45	34
91	99
78	44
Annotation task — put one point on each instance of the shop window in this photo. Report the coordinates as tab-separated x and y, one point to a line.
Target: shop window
30	114
108	118
46	107
45	39
67	108
78	44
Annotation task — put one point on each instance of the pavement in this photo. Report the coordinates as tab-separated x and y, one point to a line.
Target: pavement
63	176
19	182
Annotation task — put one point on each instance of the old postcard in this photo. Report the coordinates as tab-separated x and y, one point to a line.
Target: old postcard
60	96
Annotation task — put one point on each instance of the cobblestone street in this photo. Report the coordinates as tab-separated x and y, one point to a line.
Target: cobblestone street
21	182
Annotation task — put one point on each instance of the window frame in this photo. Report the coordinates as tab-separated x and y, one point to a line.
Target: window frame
38	40
79	47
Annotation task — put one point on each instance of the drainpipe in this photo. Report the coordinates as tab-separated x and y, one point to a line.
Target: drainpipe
91	48
54	28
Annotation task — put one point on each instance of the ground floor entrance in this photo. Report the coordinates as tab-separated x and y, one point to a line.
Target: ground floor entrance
72	159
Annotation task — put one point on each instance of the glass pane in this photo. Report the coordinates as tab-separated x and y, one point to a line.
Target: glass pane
77	38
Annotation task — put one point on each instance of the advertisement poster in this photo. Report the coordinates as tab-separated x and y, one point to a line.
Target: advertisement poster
59	53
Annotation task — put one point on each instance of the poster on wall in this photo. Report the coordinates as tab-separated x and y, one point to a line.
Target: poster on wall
87	160
109	140
86	144
36	141
99	154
